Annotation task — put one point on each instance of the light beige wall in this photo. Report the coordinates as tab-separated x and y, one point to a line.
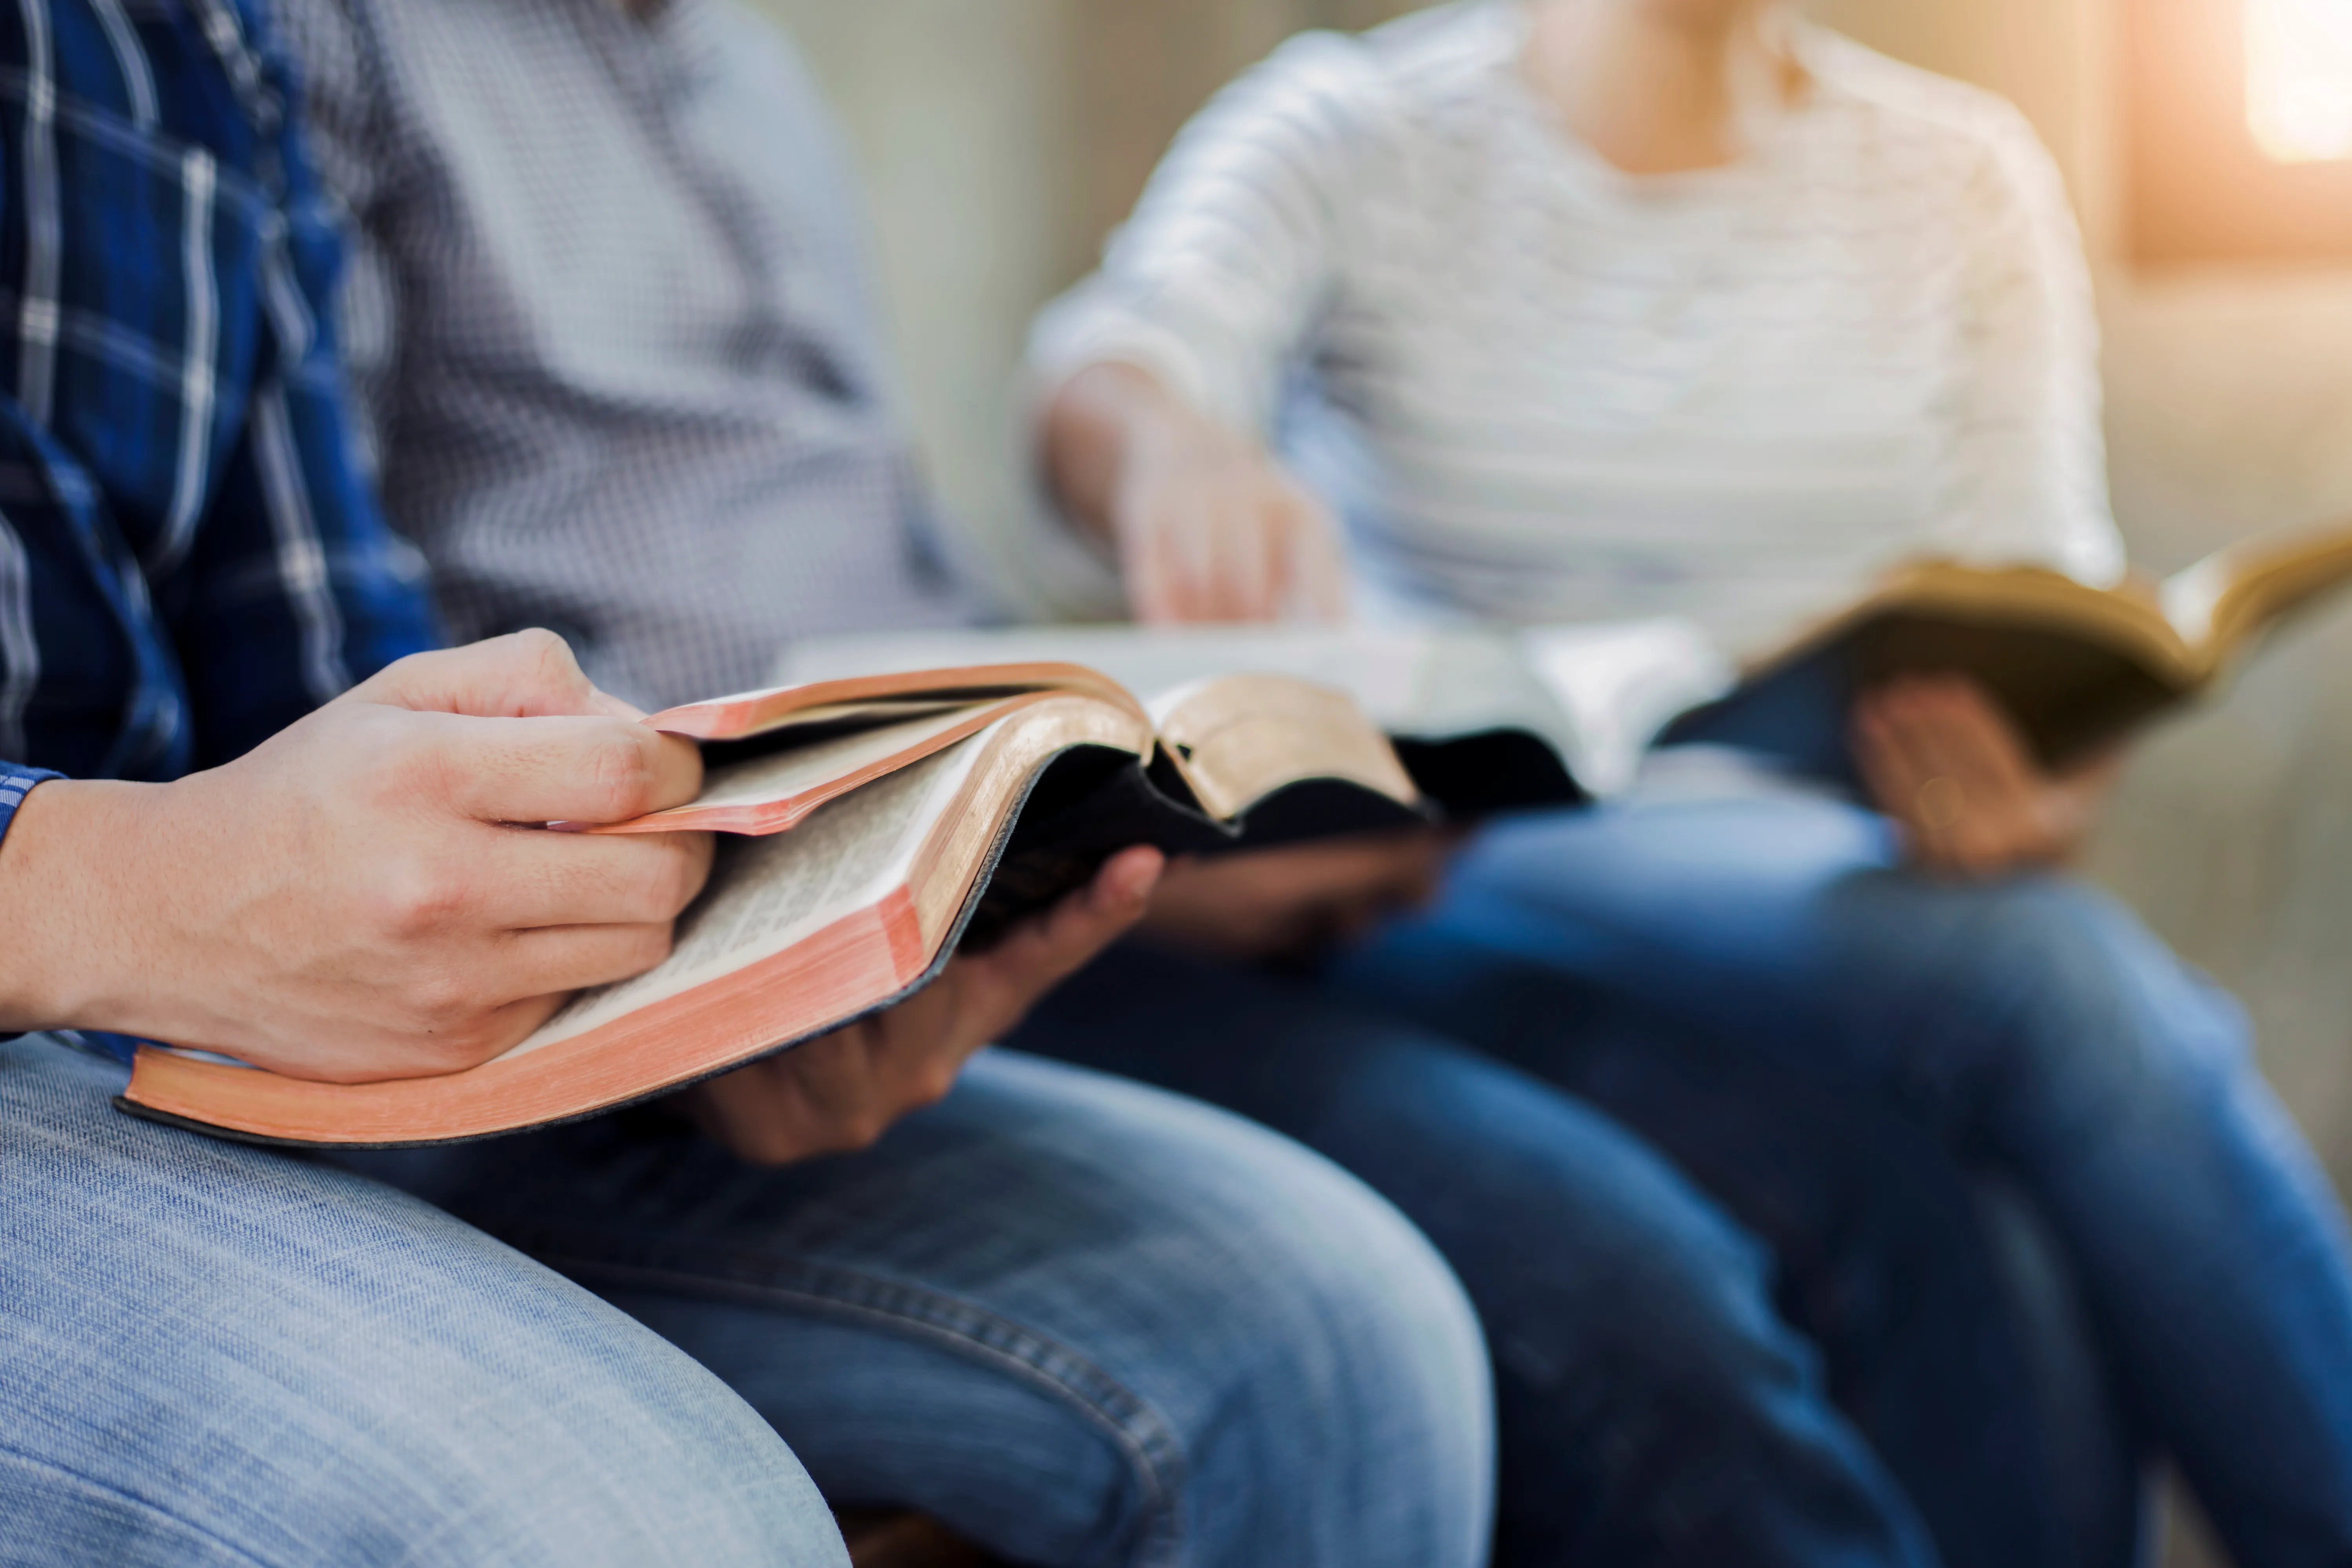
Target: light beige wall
2037	53
2230	406
961	116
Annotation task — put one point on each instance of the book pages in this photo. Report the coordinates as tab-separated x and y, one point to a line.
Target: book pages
766	894
1597	694
1620	685
1380	669
787	774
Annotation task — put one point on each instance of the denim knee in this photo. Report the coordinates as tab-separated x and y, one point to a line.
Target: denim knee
1357	1363
1084	1322
213	1353
1665	1326
1316	1370
2059	1011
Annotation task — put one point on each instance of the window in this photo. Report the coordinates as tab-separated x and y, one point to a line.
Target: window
2239	130
2299	78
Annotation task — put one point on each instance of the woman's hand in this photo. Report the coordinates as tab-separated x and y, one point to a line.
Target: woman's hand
1943	760
1206	526
842	1091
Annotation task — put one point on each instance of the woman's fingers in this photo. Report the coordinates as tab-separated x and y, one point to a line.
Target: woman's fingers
1249	537
1944	759
1229	539
1312	581
1904	760
1887	771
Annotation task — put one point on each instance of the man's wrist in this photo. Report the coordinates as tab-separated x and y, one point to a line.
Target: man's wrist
64	869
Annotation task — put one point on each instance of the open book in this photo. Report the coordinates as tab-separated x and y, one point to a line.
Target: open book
1485	719
1492	718
2078	668
873	824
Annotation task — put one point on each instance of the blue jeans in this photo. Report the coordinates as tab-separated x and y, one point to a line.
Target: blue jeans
2029	1024
1082	1322
1657	1402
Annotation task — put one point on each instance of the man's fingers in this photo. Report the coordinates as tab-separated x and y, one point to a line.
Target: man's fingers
842	1091
527	674
1081	924
1881	764
541	879
558	959
1002	984
506	1028
566	769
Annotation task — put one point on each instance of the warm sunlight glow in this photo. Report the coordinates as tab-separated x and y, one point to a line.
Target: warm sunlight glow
2299	78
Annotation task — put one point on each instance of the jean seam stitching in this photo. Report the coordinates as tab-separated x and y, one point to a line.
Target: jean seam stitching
146	1505
1155	1454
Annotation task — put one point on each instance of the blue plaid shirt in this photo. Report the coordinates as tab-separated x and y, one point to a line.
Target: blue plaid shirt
189	560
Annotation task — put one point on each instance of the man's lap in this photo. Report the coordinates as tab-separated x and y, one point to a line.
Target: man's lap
212	1353
1032	1310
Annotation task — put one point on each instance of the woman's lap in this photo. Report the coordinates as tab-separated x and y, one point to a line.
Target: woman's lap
1952	1332
1653	1408
2030	1023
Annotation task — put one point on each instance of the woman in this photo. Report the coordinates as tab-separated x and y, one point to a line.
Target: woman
1585	308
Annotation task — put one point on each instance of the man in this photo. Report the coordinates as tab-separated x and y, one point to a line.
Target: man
217	1353
609	308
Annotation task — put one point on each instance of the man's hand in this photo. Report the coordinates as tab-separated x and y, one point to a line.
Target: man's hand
842	1091
363	896
1206	526
1943	760
1295	904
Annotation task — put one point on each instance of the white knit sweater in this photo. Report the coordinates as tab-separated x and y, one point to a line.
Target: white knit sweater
1542	390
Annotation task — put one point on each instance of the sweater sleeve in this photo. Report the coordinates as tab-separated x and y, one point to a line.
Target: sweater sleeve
2028	477
1218	278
